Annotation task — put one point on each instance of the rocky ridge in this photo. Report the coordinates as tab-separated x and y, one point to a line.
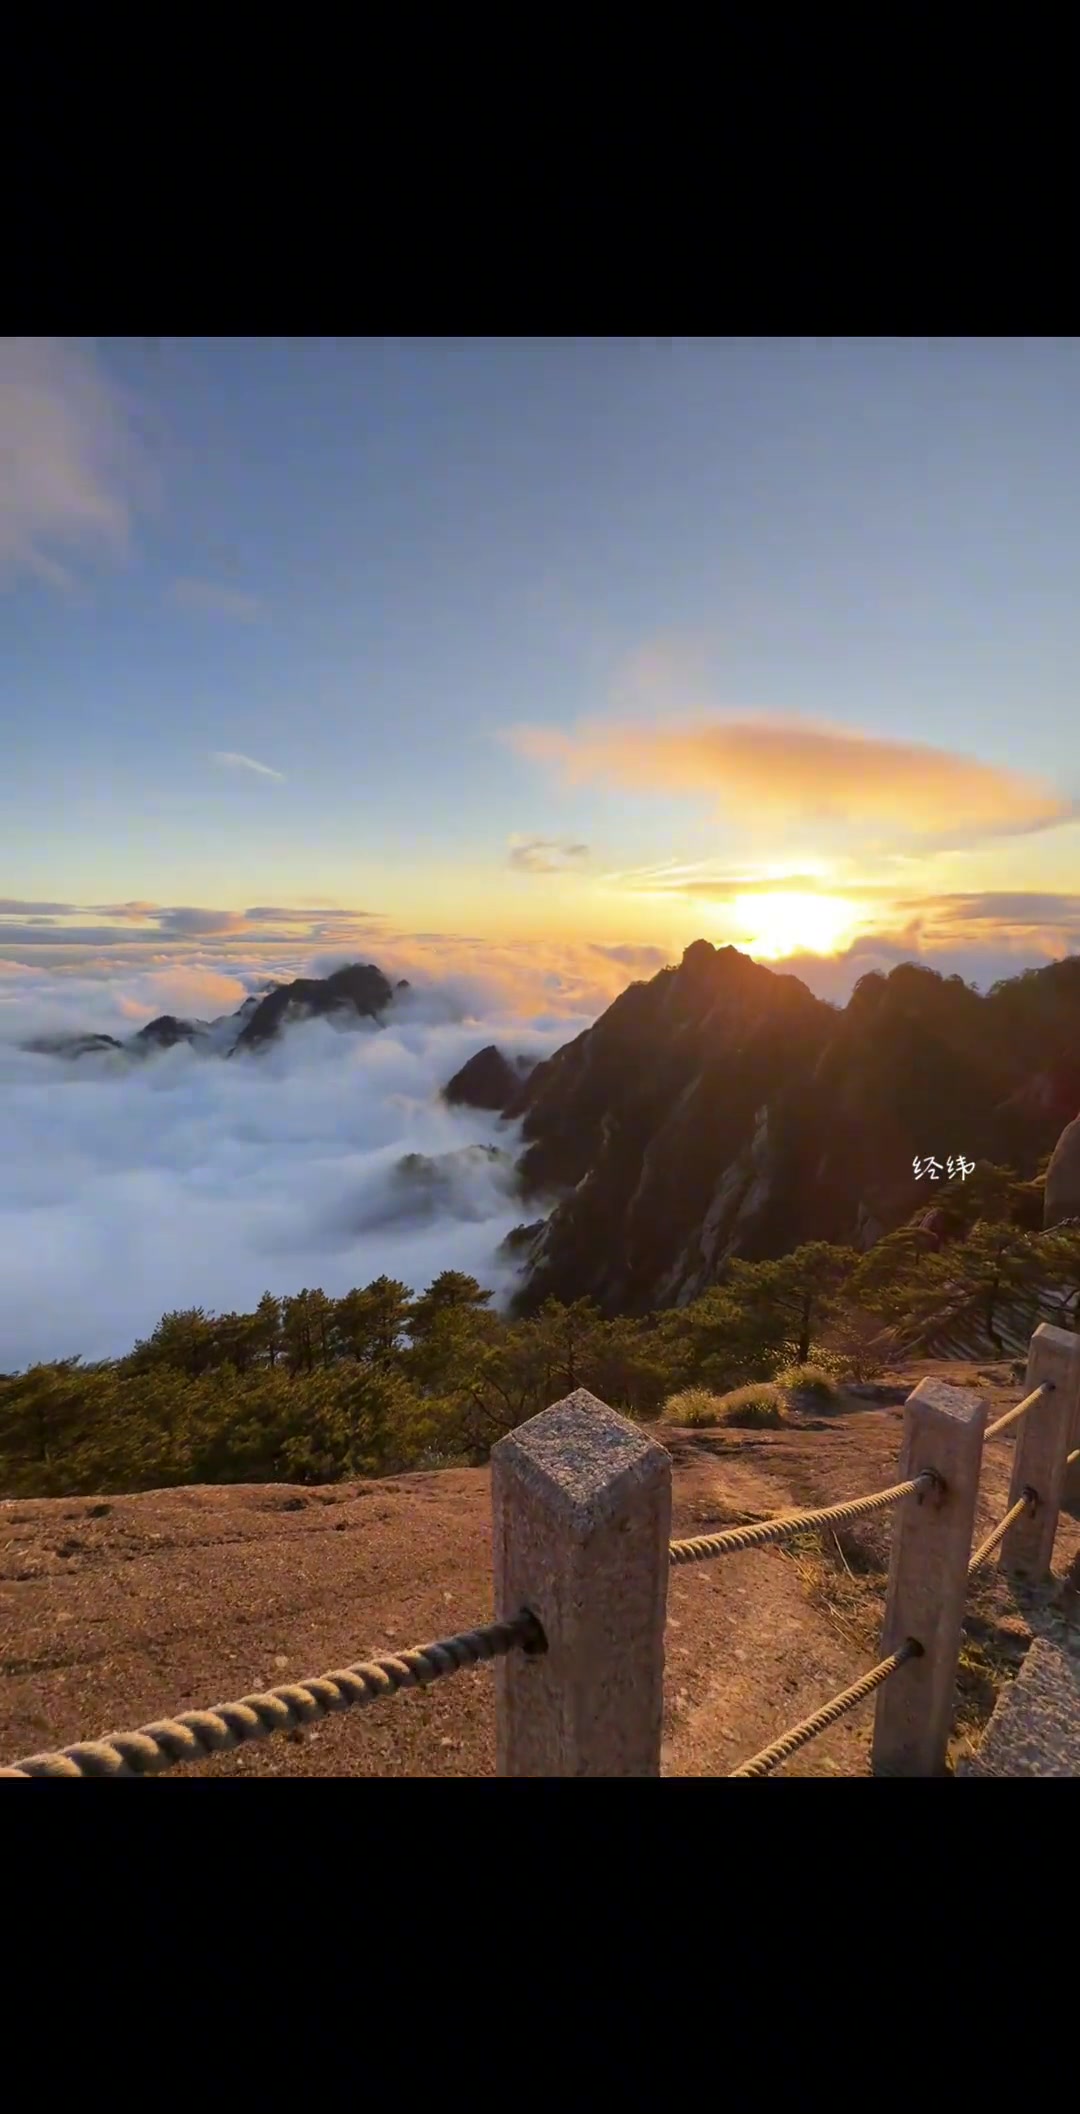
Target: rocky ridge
722	1110
359	991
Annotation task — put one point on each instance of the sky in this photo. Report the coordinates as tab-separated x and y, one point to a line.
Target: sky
513	666
552	653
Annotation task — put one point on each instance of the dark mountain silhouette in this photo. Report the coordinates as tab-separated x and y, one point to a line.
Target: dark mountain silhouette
162	1033
359	991
488	1081
721	1109
72	1045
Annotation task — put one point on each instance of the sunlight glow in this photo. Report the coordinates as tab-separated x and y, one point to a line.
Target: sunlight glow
795	923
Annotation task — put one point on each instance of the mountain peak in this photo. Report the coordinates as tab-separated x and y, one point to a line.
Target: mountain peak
701	960
722	1109
359	988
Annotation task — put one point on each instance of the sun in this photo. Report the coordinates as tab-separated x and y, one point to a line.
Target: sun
793	922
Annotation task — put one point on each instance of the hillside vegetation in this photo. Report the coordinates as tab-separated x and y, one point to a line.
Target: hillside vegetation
309	1389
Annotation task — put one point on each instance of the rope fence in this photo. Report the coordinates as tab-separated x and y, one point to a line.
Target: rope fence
789	1743
197	1734
1045	1387
581	1513
785	1528
1024	1503
762	1532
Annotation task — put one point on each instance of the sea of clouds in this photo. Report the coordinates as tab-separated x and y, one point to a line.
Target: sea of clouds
187	1179
127	1189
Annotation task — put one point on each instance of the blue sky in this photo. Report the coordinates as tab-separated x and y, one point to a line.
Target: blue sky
368	565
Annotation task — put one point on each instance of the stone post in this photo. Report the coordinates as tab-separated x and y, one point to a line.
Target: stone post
1043	1439
581	1520
931	1549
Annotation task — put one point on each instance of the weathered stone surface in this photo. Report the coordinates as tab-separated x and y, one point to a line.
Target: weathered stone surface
1035	1728
1061	1199
581	1519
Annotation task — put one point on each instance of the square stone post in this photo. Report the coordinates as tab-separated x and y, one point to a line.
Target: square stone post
1070	1492
581	1521
931	1549
1043	1439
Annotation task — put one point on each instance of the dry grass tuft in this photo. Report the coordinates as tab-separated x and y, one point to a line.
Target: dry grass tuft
812	1380
758	1405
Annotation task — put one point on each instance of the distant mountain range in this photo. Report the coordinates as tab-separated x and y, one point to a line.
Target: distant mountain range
360	991
721	1109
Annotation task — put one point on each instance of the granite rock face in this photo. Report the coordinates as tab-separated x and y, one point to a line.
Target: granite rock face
1062	1196
722	1110
1035	1726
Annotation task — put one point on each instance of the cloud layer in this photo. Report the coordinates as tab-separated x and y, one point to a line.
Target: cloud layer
545	854
191	1180
788	770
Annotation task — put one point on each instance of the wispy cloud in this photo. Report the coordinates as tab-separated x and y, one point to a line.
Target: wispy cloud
644	959
328	914
789	770
131	926
208	597
131	913
233	761
700	883
545	854
16	906
1026	908
72	468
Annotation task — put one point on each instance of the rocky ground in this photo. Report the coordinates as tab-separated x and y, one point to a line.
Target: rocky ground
117	1610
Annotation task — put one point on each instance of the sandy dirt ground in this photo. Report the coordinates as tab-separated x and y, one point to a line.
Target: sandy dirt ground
118	1610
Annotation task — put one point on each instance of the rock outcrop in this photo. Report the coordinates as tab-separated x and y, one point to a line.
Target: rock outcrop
488	1081
721	1109
1035	1726
360	990
1062	1194
166	1030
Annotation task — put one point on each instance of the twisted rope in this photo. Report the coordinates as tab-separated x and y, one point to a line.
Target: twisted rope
195	1734
773	1530
789	1743
1045	1387
1026	1503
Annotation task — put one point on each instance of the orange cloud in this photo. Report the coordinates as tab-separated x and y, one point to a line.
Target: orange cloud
790	770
